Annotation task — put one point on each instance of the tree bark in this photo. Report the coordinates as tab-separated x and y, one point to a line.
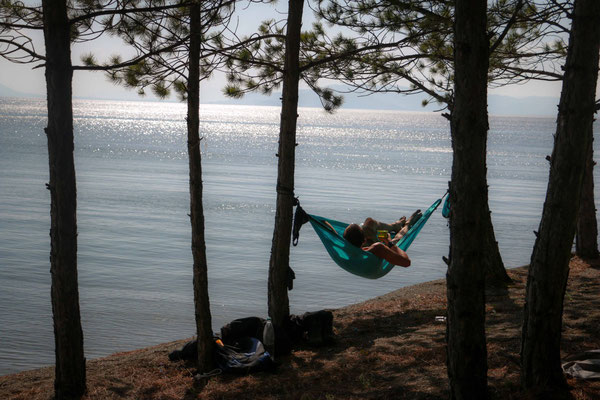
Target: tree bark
587	224
201	299
469	220
495	273
279	309
549	269
69	381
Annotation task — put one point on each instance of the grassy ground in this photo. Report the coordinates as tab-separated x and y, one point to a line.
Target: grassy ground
390	347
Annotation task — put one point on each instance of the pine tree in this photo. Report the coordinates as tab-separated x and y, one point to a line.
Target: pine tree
465	331
68	335
180	56
279	309
541	371
64	23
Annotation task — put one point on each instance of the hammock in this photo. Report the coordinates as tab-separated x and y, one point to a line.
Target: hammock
351	258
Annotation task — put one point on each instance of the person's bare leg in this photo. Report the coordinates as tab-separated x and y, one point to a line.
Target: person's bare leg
398	224
411	221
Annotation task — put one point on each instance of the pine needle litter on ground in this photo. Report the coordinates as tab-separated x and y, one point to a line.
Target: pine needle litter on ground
390	347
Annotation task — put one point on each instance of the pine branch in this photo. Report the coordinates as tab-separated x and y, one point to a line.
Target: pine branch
541	75
131	62
35	56
126	11
21	26
347	54
508	26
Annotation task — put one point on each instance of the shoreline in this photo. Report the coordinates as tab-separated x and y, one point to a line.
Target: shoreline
391	346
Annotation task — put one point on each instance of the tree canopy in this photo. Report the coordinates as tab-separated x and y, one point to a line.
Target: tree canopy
527	41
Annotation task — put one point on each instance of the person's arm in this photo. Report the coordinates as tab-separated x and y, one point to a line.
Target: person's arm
394	254
327	224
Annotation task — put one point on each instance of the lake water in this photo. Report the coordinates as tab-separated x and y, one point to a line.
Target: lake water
135	264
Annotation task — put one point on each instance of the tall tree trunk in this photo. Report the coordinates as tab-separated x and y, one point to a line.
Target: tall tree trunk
465	280
540	345
279	308
201	301
68	336
587	224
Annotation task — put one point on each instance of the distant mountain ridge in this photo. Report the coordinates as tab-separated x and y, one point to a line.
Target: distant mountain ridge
497	104
5	91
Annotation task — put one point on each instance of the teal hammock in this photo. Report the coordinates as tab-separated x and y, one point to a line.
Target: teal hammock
351	258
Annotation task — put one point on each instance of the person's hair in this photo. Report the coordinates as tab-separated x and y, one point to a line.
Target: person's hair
354	234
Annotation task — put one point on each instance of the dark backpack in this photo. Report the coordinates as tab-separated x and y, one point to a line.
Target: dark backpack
242	327
312	328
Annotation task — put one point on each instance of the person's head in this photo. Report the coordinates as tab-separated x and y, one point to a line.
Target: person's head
354	234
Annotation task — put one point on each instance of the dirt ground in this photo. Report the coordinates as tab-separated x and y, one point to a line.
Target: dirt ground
390	347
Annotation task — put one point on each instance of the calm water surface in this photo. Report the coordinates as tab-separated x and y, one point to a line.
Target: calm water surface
135	274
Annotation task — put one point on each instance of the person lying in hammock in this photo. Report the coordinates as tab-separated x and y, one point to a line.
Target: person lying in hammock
365	237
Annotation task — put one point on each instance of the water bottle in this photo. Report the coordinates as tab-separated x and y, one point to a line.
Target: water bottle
269	337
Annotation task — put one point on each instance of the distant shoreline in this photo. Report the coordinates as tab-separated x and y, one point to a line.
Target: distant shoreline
498	105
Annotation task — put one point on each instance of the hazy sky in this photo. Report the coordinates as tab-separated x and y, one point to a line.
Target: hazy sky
24	79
